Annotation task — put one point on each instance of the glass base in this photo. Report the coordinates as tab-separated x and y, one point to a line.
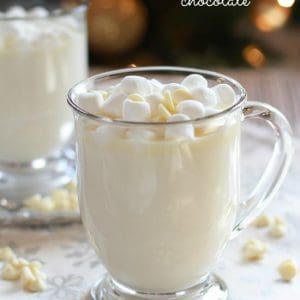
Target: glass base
212	288
21	180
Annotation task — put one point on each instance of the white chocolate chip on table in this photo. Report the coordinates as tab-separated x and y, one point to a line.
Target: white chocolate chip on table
60	200
288	269
17	268
254	249
263	221
6	254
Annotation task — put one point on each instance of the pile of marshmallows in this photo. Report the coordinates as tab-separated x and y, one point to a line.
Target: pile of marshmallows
138	99
22	28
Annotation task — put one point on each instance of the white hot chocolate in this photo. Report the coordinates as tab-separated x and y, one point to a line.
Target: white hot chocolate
40	58
159	201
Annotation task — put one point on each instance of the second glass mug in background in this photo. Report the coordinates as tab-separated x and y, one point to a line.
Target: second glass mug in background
160	212
42	55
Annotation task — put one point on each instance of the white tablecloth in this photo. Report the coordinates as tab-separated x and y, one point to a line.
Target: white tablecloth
72	266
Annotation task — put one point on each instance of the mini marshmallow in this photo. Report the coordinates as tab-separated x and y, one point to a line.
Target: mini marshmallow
108	132
140	134
193	109
113	105
205	95
69	21
211	111
171	87
180	130
135	84
225	95
136	111
16	12
154	100
156	86
91	101
38	12
194	80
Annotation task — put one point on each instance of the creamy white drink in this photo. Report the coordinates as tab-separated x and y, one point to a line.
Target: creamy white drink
40	58
158	201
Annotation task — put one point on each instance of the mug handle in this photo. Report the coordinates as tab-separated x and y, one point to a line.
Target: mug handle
276	169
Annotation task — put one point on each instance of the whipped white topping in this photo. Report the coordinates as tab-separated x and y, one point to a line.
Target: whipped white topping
138	99
33	27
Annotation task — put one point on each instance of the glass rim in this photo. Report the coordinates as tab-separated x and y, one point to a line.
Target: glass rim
237	104
80	7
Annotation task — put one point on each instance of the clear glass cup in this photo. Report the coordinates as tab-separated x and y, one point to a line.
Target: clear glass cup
42	54
160	212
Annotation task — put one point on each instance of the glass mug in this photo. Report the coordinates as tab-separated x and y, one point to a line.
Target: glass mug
159	213
43	53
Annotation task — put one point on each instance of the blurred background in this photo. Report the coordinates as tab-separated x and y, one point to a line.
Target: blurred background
151	32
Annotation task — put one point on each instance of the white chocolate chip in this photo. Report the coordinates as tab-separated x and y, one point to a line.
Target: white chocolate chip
225	94
180	130
71	186
278	230
46	205
193	109
194	80
181	95
163	112
6	254
60	198
171	87
27	277
136	111
262	221
73	199
135	84
10	272
288	270
91	101
254	250
38	285
278	221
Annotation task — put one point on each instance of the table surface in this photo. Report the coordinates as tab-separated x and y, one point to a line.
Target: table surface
73	267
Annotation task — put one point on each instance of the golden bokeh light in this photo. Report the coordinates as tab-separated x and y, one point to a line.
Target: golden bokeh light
286	3
254	56
269	16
